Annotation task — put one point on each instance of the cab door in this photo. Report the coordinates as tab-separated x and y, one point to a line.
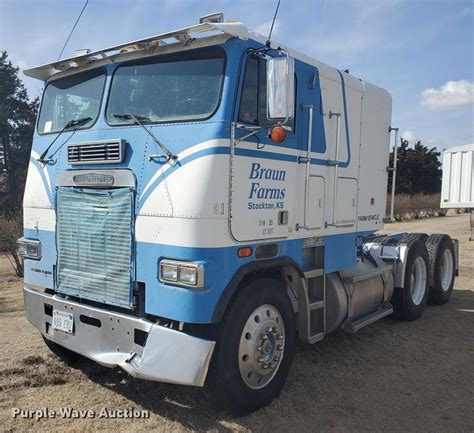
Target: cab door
263	173
312	170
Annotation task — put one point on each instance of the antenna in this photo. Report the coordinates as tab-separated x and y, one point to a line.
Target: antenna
273	23
313	82
323	18
73	28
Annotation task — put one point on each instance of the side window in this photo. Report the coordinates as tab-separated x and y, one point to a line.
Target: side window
248	112
253	102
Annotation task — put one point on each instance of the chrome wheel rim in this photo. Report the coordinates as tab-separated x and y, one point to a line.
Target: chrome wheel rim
261	347
418	281
446	270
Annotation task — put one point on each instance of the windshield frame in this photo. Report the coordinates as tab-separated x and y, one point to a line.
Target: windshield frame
162	58
101	99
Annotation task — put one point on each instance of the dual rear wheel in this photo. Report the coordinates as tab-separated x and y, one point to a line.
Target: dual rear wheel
429	275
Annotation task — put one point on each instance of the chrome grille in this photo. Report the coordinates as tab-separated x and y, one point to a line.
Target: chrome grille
94	242
96	152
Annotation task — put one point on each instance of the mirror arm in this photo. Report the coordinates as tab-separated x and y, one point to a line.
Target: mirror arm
247	136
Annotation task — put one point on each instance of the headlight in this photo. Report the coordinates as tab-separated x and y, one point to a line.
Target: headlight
169	271
189	274
29	248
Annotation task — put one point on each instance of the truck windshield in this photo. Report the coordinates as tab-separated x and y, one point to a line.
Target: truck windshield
74	97
181	87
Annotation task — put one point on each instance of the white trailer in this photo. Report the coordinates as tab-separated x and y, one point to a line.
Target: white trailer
457	191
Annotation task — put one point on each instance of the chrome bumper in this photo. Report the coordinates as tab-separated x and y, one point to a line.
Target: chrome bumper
142	348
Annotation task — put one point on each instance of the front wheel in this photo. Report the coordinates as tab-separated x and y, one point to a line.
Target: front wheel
68	356
255	348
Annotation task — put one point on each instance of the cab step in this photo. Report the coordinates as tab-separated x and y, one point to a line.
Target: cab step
352	327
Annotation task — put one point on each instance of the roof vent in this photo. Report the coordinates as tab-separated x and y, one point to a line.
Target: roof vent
212	18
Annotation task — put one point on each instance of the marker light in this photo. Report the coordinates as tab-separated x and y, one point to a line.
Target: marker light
278	134
244	252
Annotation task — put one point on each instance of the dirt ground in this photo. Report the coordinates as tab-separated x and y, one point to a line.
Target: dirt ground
391	376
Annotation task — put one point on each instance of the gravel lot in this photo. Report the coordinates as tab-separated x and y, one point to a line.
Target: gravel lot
390	376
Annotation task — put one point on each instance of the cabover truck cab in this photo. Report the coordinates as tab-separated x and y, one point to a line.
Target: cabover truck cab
198	200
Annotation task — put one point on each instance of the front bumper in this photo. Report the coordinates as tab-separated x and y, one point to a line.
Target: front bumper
142	348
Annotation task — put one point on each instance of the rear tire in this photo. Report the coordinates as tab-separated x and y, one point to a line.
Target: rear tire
409	237
442	266
254	350
68	356
410	300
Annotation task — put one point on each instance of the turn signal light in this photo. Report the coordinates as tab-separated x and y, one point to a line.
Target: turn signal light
244	252
278	134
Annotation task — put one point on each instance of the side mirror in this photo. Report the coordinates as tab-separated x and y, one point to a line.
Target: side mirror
280	88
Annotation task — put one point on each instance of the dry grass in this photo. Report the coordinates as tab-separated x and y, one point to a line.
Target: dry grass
408	207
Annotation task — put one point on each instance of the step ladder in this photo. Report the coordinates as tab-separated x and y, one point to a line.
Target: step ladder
311	293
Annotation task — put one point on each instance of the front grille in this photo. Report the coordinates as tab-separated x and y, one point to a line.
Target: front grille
96	152
94	242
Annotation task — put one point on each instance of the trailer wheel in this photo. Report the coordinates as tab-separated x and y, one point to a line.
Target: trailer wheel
442	265
254	349
410	300
68	356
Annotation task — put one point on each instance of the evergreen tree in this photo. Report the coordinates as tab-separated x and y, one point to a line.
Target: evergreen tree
418	169
17	122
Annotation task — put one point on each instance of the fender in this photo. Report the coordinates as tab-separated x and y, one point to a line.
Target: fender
242	272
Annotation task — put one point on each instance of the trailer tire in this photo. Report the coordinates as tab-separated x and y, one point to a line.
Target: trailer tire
410	300
442	265
68	356
254	349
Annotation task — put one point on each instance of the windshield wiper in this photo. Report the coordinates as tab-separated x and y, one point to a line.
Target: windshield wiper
140	120
74	123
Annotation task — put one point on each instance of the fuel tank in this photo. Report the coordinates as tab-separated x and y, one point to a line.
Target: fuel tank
357	292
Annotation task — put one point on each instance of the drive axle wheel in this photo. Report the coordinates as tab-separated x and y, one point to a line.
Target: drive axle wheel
410	300
254	350
443	268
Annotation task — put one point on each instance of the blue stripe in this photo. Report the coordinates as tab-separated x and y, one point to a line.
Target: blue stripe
345	164
43	177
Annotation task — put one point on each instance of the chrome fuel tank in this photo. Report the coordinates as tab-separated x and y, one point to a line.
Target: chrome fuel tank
356	292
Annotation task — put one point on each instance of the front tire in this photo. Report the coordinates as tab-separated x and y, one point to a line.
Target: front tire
68	356
255	348
410	300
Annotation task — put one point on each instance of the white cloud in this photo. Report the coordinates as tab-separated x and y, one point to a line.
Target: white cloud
264	28
452	95
409	135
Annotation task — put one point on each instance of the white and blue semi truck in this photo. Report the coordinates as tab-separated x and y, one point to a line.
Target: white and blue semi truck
198	200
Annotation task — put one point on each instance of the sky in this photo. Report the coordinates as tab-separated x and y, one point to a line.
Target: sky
421	51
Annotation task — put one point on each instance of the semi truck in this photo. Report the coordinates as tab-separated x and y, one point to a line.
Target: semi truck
198	200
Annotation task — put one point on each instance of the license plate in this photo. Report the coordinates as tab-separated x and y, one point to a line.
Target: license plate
63	321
